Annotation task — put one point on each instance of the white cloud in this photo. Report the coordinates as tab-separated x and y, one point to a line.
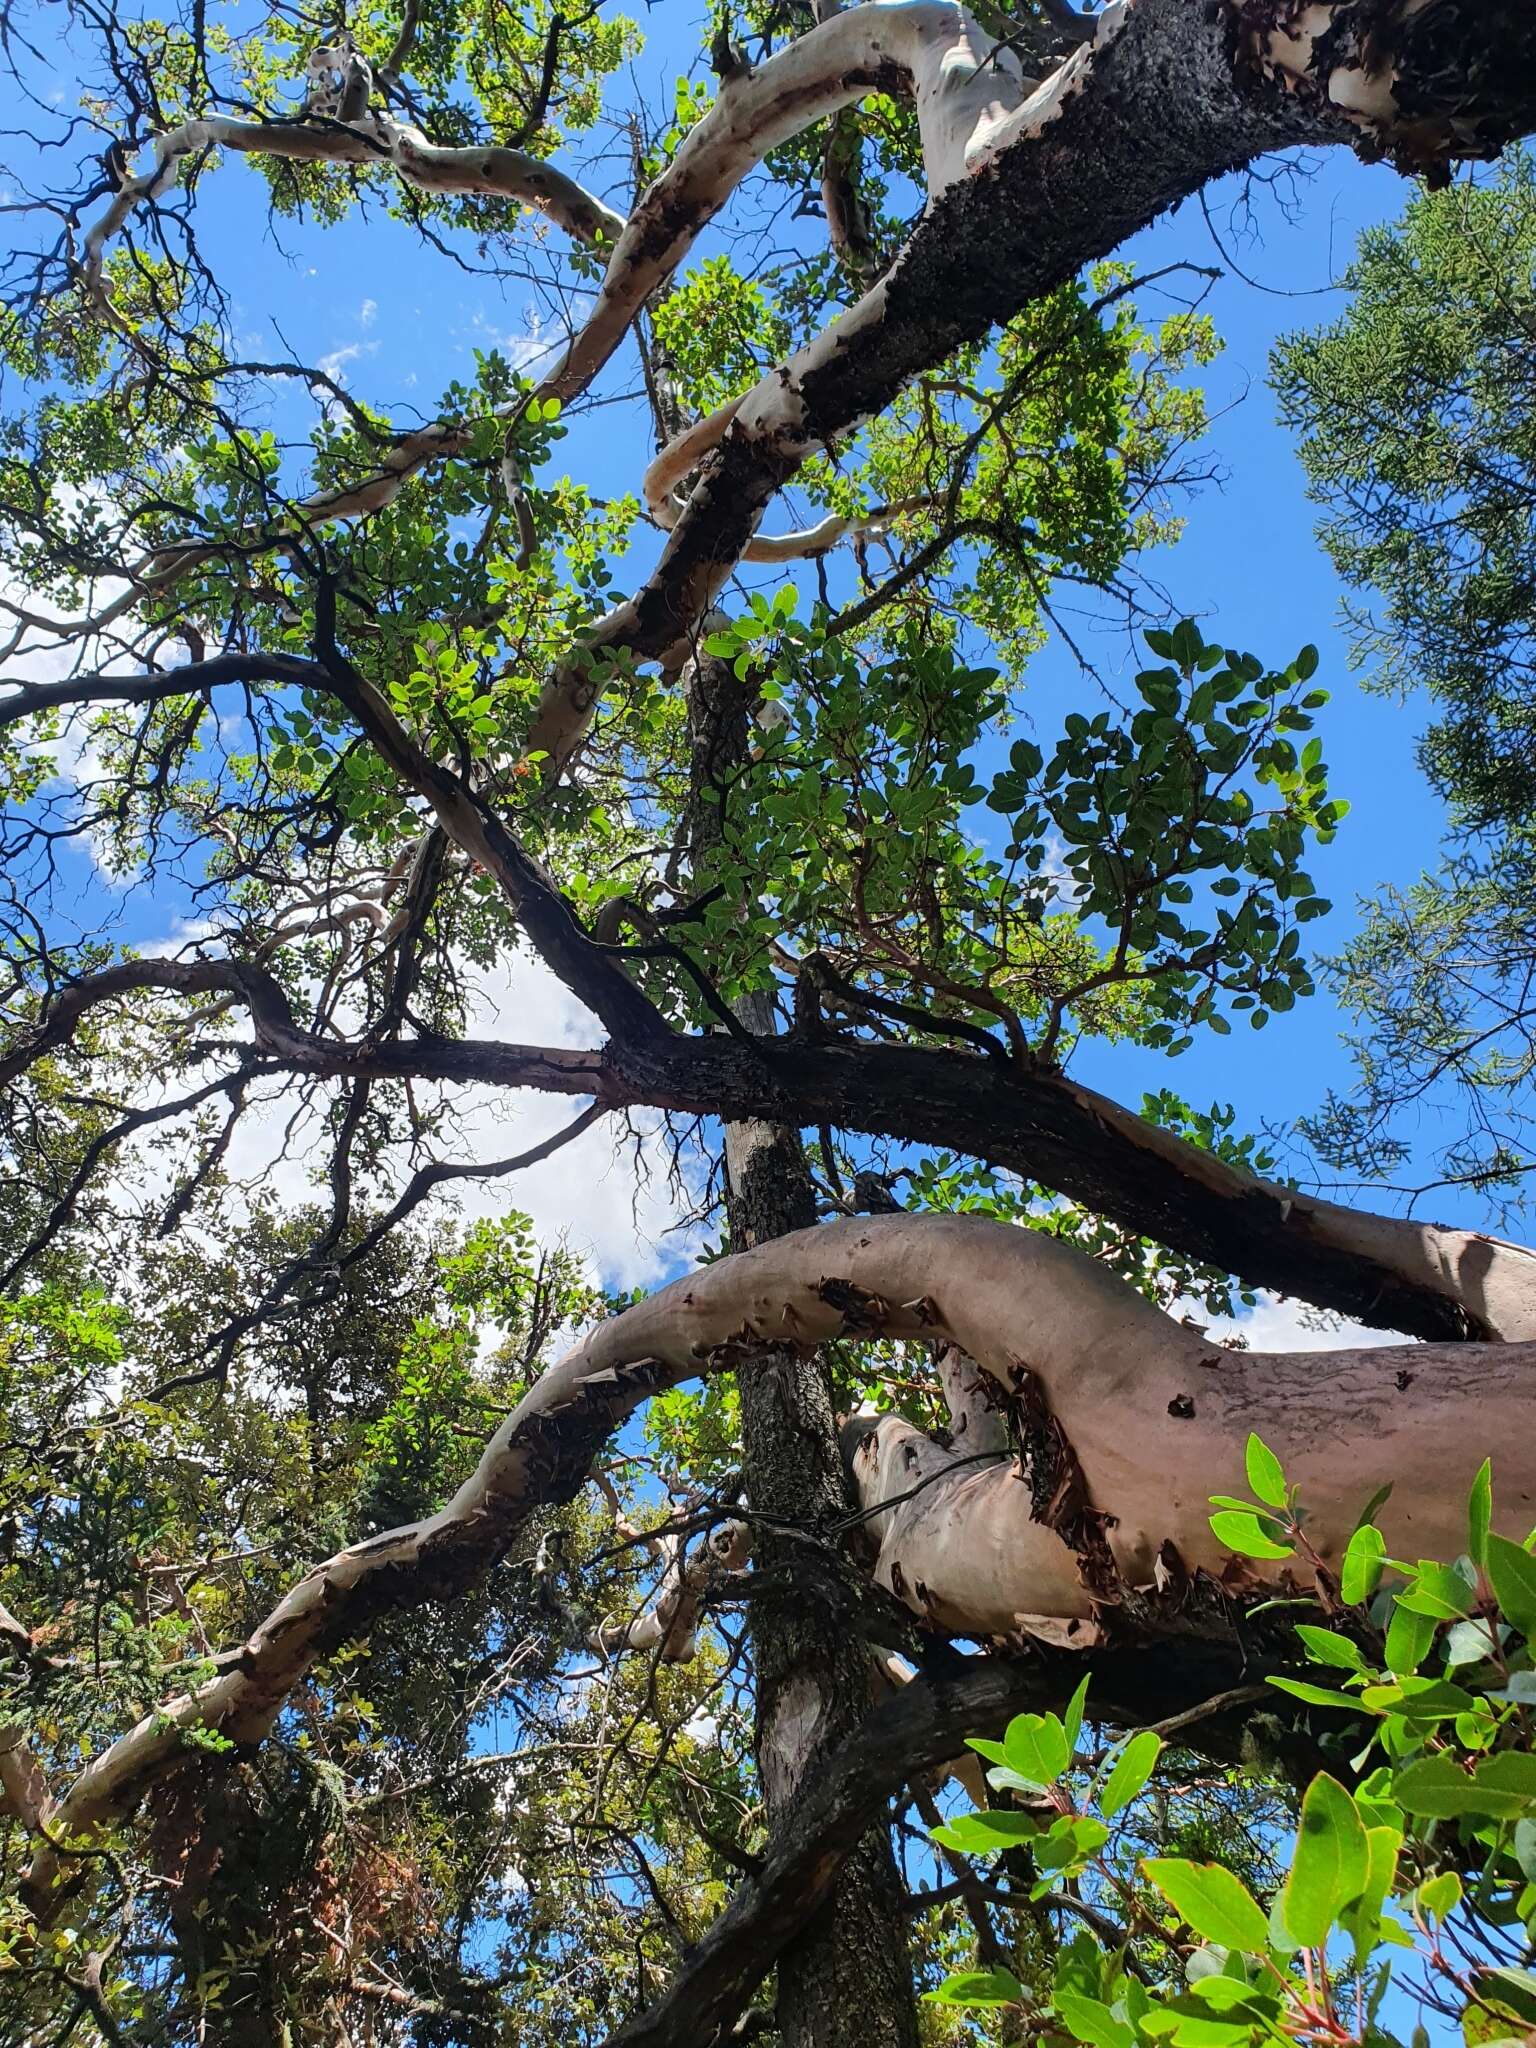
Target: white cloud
618	1211
520	348
1279	1323
334	367
703	1728
31	652
185	932
331	365
621	1211
367	312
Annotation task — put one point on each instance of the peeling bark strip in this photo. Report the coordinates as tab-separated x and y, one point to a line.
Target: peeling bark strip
669	1624
1026	184
1109	1365
1170	95
964	84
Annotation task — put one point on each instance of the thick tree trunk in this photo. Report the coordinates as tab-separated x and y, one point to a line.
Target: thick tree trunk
214	1851
914	1732
845	1981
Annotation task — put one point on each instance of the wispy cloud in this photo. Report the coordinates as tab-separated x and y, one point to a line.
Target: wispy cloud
520	347
333	364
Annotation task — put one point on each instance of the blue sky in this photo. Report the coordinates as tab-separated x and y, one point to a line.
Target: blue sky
398	322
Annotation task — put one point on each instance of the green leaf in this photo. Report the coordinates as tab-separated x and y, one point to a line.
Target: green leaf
1512	1772
1186	2027
1035	1745
1514	1988
1363	1561
1331	1863
1512	1573
1211	1900
1318	1695
1420	1702
1435	1788
1247	1536
1072	1724
1409	1636
1090	2019
1281	1939
979	1834
1265	1474
993	1751
977	1987
1132	1768
1362	1920
1439	1592
1071	1840
1480	1513
1328	1648
1217	1989
1439	1895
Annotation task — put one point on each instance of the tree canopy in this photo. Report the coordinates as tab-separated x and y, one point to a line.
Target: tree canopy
407	1639
1415	412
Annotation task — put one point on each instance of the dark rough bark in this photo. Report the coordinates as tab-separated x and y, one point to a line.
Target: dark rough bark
845	1981
1071	1139
231	1880
920	1729
1038	1123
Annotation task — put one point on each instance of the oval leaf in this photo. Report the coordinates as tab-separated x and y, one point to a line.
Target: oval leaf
1328	1648
1265	1474
977	1987
978	1834
1211	1900
1362	1565
1090	2019
1247	1535
1513	1573
1132	1768
1331	1864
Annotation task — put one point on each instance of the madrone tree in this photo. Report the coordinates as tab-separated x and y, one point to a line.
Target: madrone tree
363	700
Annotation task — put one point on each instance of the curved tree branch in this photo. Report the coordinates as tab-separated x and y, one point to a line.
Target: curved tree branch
373	139
844	1795
1142	1417
1167	97
1424	1279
